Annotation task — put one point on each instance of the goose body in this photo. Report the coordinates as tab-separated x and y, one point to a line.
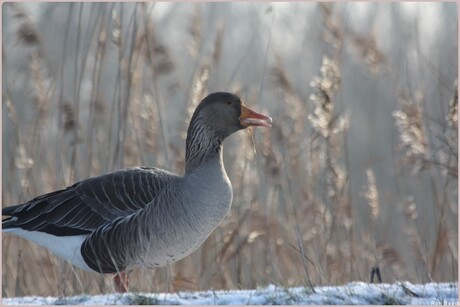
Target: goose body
141	217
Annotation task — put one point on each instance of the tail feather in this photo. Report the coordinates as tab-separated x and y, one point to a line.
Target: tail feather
10	210
9	223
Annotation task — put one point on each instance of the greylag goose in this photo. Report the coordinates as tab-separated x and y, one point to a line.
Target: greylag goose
144	216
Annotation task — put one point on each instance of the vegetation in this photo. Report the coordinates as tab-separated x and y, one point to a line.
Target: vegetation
359	170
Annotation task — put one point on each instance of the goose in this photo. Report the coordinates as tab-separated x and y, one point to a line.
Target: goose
142	216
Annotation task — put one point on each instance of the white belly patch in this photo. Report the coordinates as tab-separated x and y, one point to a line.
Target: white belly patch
64	247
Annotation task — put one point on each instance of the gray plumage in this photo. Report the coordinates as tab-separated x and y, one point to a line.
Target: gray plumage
141	217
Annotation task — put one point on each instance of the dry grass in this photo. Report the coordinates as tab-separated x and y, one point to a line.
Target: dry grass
296	217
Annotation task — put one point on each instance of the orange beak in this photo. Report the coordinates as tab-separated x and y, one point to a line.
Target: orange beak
249	117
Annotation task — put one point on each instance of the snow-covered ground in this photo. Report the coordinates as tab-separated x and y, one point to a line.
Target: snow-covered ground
350	294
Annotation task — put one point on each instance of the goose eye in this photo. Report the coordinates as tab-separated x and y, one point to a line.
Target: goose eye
229	102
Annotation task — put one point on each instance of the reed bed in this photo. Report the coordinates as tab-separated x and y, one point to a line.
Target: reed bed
359	172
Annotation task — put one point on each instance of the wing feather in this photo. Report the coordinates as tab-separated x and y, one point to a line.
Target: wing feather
89	204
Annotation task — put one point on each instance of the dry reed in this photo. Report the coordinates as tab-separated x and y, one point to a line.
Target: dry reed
295	218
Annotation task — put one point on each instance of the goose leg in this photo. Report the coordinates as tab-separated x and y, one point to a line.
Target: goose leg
121	282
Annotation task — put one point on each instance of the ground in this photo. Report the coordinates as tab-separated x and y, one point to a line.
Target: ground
356	293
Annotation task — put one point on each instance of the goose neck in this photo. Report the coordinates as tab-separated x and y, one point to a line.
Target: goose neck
202	145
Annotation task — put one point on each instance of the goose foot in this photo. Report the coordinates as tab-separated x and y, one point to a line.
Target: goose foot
121	282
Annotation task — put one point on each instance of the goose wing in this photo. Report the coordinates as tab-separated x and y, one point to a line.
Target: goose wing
85	206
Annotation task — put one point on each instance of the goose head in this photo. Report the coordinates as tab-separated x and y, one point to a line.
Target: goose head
216	117
225	113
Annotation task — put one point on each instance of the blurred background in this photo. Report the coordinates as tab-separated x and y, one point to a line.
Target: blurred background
358	171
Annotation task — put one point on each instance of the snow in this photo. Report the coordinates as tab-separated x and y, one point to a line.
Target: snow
350	294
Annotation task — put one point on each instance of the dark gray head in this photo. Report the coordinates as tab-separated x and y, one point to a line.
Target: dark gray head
216	117
225	114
